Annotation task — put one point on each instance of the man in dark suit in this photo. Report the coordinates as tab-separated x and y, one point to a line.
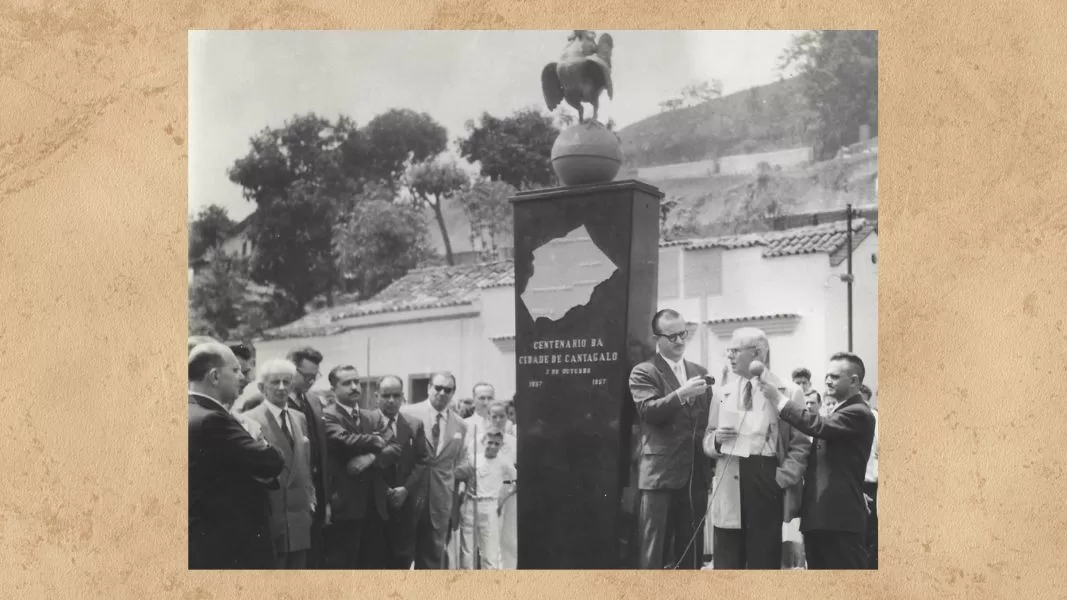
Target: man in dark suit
229	507
404	476
833	515
672	400
358	500
307	362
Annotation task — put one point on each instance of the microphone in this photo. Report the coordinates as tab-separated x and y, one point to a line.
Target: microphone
709	380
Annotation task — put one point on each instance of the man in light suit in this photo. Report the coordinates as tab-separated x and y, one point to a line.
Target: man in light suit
293	503
672	400
833	517
450	463
229	470
358	499
758	474
404	477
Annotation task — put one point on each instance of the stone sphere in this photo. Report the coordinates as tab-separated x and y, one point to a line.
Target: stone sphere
586	153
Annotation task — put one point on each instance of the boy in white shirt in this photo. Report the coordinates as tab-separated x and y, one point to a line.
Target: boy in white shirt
489	496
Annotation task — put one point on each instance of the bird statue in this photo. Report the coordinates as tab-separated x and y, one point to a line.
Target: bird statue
582	73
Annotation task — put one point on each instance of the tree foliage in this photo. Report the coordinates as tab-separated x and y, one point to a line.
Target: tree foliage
378	241
516	149
487	206
220	303
209	229
839	70
431	184
397	138
308	175
699	92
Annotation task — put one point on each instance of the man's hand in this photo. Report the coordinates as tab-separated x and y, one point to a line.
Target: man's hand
724	435
770	392
391	450
696	386
397	496
379	442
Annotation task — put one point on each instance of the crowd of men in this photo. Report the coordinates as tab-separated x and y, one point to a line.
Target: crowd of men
792	478
283	478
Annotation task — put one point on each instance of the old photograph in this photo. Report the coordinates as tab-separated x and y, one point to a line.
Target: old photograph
497	300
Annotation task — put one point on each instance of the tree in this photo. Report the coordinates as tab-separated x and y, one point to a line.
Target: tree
307	175
209	230
839	71
753	101
379	241
430	185
217	296
516	149
487	205
671	104
399	137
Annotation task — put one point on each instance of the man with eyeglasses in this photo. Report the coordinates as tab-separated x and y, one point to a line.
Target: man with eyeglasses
449	463
404	476
307	362
672	399
760	461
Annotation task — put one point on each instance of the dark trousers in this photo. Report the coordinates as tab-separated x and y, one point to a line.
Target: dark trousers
835	550
871	489
291	560
429	542
668	528
354	543
758	544
316	555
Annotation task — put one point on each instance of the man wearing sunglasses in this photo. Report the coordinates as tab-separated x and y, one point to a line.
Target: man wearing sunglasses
307	362
449	463
672	400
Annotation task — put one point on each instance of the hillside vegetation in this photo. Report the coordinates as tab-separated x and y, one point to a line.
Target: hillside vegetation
760	119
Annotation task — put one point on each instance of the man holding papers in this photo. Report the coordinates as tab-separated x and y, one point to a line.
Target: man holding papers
760	462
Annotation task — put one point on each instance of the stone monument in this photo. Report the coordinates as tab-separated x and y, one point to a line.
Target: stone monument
586	274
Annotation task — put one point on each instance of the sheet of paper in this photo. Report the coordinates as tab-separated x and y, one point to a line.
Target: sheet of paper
730	418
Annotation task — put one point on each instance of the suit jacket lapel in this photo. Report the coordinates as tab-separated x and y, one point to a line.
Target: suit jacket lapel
667	372
276	432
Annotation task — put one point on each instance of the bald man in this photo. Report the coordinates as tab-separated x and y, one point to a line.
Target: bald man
228	499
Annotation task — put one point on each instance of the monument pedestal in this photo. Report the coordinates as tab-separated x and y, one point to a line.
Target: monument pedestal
586	275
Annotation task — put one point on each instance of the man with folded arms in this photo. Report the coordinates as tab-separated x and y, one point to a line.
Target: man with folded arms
833	515
358	503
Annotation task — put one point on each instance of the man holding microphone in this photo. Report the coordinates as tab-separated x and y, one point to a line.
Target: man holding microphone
672	398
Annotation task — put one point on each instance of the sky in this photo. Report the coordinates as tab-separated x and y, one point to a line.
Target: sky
241	82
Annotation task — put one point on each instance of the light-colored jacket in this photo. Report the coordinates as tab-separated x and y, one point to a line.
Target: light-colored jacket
792	452
291	512
449	464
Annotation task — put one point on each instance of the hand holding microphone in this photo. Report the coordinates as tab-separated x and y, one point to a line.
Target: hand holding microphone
692	388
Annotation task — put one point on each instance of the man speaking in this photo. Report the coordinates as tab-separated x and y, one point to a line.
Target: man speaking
672	399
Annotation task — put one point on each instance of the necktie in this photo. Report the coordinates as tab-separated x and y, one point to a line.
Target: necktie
390	431
436	432
746	398
285	427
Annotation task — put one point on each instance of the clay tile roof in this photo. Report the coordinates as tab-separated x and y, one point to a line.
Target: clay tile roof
431	287
729	242
754	318
829	238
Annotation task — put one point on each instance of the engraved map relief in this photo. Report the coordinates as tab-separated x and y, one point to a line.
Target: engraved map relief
565	272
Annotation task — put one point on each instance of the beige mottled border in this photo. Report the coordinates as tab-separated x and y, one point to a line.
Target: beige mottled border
93	243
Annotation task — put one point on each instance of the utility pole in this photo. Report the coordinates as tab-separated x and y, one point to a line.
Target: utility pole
849	277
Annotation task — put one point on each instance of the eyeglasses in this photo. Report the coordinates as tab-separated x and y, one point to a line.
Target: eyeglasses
735	351
443	389
392	395
674	337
